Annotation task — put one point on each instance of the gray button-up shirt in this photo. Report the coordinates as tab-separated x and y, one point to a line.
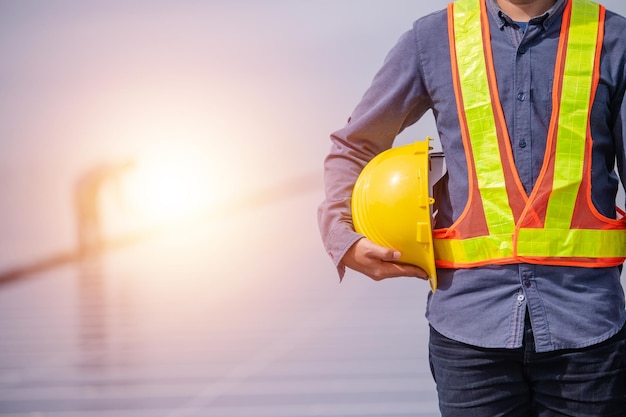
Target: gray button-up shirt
570	307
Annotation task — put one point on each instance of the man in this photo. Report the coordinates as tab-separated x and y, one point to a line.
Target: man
528	97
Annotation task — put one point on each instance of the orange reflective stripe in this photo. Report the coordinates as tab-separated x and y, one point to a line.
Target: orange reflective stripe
479	116
456	83
474	83
574	114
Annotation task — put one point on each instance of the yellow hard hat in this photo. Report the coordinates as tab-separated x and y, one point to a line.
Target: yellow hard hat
391	204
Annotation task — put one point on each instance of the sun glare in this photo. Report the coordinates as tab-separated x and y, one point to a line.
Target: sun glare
171	181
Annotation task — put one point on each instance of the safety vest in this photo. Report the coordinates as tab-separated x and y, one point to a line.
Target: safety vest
557	224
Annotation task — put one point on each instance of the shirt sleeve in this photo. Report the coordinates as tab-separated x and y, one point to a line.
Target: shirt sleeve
395	99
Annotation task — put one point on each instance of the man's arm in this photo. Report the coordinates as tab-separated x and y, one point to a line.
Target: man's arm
395	100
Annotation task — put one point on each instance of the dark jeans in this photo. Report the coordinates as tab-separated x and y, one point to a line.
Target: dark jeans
480	382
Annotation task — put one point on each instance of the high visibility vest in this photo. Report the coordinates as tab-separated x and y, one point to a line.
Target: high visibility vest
557	224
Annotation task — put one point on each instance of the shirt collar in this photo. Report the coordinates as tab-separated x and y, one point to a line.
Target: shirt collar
545	19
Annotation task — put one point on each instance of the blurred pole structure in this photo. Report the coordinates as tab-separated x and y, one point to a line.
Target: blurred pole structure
91	240
87	196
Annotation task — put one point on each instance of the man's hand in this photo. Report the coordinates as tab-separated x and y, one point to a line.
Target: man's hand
378	262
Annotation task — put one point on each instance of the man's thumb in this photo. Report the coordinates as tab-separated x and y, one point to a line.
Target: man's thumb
390	255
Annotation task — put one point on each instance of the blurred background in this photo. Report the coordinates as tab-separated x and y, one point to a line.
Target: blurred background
161	167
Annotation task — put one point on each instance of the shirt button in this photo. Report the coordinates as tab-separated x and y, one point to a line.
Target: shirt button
521	51
521	96
527	283
520	298
522	143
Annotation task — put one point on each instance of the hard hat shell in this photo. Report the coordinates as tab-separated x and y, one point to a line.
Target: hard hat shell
391	204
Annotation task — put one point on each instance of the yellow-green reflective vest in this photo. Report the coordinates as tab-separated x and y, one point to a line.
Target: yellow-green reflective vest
558	223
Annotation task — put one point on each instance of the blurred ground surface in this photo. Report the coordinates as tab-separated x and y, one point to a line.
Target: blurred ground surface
240	316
